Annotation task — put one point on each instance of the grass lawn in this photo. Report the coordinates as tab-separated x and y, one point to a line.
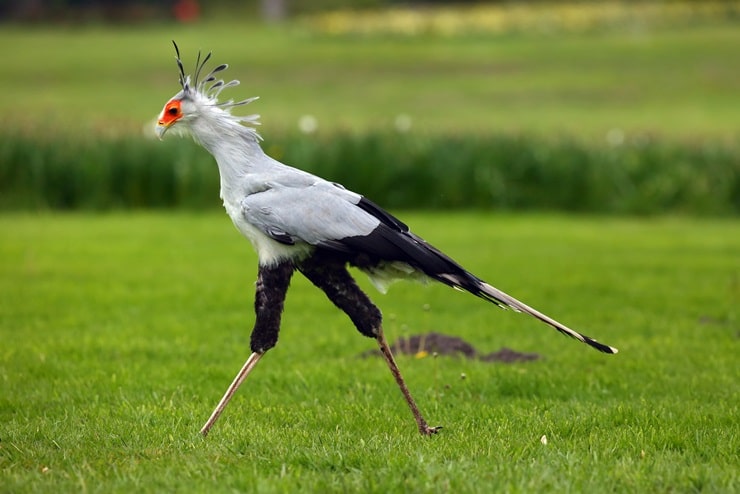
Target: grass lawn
679	82
121	332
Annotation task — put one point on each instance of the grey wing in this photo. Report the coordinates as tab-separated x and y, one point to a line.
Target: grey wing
326	215
319	213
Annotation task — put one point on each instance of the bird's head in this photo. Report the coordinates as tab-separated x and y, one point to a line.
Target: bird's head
198	100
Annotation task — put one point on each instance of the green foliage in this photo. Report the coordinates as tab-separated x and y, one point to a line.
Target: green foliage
524	172
677	83
506	122
128	172
638	176
120	332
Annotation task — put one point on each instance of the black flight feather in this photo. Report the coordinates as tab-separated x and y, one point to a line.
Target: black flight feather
391	241
384	216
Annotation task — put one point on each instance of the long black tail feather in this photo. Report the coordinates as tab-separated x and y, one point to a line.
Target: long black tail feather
462	279
392	241
437	265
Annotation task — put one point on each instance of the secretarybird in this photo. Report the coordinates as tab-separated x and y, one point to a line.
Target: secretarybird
297	221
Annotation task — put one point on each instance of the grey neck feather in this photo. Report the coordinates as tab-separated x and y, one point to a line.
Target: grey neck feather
235	147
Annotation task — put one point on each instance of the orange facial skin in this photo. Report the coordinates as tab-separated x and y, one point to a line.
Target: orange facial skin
171	113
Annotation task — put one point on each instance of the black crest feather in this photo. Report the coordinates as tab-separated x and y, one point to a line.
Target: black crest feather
183	79
199	67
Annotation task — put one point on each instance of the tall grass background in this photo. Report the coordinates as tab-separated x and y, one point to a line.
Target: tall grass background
608	108
503	172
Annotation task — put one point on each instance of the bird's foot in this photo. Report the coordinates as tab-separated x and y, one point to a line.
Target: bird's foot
428	431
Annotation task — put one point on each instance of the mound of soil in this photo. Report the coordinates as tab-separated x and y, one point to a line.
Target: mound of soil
453	346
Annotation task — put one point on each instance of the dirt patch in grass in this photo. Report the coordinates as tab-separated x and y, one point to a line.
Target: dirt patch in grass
440	344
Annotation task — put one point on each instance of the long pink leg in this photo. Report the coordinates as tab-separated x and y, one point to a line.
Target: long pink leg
386	351
238	380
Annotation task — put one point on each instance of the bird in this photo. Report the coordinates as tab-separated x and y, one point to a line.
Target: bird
297	221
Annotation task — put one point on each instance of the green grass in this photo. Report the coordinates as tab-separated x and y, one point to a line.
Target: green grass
120	332
500	172
677	82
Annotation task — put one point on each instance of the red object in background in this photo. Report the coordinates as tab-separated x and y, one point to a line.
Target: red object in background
186	10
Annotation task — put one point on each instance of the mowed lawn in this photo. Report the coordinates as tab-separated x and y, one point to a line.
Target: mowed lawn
120	332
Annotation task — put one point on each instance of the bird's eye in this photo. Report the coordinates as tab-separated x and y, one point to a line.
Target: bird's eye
173	111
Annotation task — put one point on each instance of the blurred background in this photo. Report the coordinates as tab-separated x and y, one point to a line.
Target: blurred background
614	107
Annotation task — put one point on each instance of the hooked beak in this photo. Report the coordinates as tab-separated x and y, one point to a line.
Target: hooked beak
161	128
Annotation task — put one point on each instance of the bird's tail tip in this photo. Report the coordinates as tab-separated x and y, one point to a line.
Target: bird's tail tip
600	346
504	300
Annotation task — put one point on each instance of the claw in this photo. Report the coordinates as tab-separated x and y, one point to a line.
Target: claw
428	431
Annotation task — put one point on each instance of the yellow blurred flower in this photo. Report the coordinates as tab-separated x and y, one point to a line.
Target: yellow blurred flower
529	17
